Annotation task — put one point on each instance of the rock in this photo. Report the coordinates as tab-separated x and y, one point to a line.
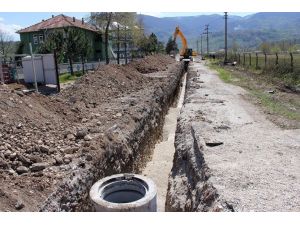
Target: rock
38	166
87	138
13	156
34	158
22	169
25	161
89	157
44	149
70	150
3	164
67	159
7	153
71	137
19	126
84	120
81	132
58	160
19	205
118	114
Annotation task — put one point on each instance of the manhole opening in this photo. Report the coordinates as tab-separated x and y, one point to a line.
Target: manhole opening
123	191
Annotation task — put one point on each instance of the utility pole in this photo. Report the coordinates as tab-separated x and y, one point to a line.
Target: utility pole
125	46
118	44
198	46
201	46
226	17
207	40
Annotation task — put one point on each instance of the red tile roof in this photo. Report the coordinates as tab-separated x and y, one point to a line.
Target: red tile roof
58	22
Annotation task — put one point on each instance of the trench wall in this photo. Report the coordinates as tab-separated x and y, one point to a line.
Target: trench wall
189	185
123	151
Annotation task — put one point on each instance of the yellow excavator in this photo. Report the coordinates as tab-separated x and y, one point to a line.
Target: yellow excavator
186	54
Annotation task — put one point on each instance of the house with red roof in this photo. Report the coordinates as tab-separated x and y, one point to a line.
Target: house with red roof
37	33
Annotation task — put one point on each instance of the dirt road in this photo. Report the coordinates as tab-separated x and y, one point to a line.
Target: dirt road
253	164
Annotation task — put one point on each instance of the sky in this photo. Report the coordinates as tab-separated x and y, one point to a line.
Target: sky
10	22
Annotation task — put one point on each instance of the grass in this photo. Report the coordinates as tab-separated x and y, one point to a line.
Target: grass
257	90
67	77
274	105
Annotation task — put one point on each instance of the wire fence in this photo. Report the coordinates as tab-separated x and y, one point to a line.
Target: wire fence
282	63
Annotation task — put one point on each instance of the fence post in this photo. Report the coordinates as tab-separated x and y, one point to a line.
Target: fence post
1	72
276	63
56	71
265	60
33	67
292	62
239	55
256	60
244	55
249	59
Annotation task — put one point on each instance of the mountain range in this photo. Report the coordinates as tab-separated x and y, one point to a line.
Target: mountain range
246	32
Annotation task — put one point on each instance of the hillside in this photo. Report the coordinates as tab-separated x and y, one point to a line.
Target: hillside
247	32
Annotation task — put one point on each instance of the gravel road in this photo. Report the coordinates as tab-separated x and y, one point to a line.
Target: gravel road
255	165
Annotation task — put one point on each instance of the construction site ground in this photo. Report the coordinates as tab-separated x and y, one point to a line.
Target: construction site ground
207	149
229	156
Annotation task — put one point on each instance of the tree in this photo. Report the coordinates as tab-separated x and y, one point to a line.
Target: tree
6	44
104	21
69	42
171	45
265	47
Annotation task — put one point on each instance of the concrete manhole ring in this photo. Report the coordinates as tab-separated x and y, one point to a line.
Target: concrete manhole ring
124	192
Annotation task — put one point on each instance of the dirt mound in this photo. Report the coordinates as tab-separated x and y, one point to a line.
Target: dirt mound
152	63
43	138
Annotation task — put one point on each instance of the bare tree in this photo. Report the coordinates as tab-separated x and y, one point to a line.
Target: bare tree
6	44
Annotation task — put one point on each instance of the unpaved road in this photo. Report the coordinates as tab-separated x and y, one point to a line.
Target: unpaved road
257	168
159	167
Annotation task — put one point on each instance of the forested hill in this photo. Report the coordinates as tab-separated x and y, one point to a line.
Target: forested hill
247	32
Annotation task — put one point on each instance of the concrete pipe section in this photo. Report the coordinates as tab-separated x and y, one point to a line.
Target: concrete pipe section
124	193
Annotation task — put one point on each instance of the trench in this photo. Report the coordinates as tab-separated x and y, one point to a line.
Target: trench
160	166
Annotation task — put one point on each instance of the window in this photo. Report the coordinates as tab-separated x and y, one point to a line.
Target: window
35	39
41	38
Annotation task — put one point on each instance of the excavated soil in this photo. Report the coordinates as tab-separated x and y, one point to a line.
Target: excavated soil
52	148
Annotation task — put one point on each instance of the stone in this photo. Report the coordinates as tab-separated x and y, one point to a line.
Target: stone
67	158
25	161
19	126
22	169
38	166
118	114
87	138
3	164
19	205
58	160
89	157
44	149
81	132
71	137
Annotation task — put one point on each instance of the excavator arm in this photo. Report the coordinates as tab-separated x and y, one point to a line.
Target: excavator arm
183	40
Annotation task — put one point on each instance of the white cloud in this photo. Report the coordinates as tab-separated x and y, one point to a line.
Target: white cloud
10	29
156	14
1	19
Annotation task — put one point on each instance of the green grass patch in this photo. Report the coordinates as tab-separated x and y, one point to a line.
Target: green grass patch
66	77
223	74
268	101
275	106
